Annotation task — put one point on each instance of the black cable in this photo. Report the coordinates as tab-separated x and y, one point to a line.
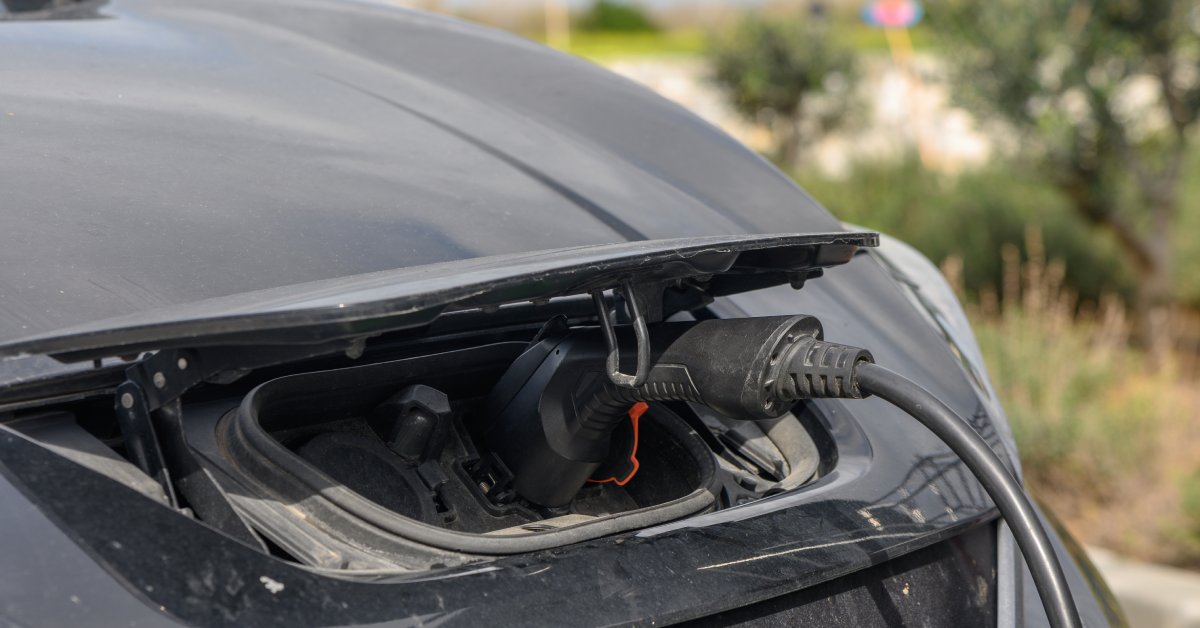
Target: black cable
757	368
1005	491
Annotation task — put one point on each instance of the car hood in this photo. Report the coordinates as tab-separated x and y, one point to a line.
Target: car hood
167	152
373	303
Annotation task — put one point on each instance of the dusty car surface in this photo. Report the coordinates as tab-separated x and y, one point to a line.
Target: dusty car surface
334	313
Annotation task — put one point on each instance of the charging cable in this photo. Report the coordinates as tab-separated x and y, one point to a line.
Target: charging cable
1004	490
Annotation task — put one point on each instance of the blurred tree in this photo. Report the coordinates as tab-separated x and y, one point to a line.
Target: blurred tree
771	68
1104	95
616	16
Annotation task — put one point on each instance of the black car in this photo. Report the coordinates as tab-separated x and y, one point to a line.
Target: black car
325	312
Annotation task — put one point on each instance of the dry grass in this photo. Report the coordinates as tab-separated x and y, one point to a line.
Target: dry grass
1109	432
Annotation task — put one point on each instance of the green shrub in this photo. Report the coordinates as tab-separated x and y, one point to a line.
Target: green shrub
972	216
1106	434
1102	428
789	73
1081	404
606	16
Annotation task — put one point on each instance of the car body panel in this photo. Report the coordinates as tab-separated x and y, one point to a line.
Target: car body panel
895	489
174	151
384	301
168	152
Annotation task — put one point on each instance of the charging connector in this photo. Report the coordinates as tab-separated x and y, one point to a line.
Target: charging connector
987	467
552	415
554	411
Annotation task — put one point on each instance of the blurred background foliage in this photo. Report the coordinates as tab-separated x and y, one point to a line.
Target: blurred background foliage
611	16
1104	97
1043	153
972	216
790	75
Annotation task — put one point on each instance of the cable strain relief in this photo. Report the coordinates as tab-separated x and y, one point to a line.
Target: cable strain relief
820	369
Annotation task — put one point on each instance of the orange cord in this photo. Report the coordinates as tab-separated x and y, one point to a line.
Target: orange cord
635	413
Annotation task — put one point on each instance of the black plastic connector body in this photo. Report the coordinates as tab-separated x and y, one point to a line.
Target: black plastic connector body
555	409
414	422
552	414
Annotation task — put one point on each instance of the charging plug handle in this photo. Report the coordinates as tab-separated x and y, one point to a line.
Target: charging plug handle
748	368
558	410
553	413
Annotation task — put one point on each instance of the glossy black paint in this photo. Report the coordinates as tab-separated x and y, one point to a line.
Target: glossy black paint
384	301
949	584
173	151
864	512
182	150
893	490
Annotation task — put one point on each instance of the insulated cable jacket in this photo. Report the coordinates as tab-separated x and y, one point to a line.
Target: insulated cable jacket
1004	490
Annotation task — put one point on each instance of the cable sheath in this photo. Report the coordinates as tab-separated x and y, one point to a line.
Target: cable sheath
1004	490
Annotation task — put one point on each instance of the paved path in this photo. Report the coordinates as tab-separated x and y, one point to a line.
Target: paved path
1151	595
